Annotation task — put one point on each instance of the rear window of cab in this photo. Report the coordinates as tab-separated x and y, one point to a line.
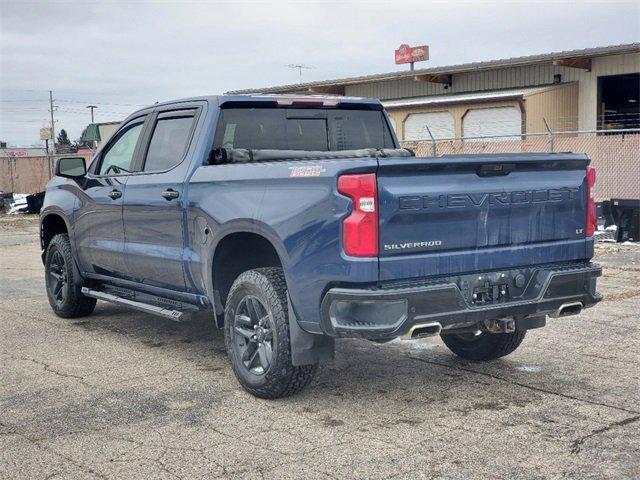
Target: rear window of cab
302	129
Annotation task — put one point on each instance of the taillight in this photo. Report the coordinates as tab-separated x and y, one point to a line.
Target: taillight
591	203
360	229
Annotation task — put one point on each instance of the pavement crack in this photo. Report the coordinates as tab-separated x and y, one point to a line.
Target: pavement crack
576	446
143	377
64	457
524	385
48	368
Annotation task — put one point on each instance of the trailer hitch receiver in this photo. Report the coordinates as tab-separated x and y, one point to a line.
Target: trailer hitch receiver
501	325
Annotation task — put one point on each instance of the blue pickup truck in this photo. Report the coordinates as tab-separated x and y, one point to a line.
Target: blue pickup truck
294	221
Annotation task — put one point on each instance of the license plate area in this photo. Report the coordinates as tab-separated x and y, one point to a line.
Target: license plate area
495	287
490	293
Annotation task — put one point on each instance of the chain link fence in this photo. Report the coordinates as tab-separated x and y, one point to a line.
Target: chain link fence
615	154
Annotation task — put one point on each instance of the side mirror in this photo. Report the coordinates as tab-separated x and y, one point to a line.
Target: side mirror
71	167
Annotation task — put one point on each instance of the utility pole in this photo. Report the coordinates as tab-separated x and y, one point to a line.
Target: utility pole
92	107
53	128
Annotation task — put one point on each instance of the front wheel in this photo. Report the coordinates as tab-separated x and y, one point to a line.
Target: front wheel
483	345
63	290
257	336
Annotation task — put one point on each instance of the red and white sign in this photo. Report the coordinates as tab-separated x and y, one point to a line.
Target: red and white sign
407	54
17	153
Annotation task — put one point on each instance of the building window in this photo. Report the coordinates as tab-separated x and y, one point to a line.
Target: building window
618	102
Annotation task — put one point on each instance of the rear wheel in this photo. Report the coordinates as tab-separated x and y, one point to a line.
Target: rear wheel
63	289
484	345
257	336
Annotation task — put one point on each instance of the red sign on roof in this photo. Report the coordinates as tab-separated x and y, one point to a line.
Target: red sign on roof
407	54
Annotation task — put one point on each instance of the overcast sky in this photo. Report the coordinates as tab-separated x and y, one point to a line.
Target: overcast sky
122	55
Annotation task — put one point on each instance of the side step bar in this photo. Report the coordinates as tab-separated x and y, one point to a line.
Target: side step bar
175	315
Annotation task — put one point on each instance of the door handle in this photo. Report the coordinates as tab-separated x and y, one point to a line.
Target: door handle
170	194
114	194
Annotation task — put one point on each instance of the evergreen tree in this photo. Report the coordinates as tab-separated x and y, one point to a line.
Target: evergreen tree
63	144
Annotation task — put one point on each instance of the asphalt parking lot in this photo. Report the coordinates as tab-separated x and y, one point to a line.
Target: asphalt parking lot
122	394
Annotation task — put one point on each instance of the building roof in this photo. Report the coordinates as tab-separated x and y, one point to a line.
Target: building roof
92	132
466	97
452	69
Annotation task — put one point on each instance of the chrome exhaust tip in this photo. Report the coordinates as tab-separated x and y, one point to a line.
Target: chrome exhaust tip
566	309
422	330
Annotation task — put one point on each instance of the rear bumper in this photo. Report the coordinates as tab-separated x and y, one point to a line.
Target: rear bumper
524	294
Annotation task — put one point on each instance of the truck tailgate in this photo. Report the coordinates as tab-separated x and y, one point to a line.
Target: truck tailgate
471	213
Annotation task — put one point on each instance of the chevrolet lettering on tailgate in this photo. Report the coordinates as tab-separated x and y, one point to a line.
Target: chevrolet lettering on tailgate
457	200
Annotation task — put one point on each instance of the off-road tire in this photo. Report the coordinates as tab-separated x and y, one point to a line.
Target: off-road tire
486	346
281	379
73	304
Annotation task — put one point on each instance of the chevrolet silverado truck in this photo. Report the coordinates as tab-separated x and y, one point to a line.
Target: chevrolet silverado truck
294	221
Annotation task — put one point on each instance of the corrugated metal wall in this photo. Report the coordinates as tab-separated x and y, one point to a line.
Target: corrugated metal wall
558	105
499	79
25	174
514	77
29	174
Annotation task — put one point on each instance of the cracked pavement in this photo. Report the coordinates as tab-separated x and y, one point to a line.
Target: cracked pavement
122	394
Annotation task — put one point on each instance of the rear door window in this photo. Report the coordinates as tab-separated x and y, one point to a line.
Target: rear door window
302	129
169	141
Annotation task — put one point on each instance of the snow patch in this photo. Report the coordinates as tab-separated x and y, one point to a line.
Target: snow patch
529	368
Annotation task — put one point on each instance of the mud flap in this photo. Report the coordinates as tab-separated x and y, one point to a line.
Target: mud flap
308	348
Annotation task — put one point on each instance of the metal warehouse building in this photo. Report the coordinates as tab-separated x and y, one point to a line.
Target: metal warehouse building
586	90
584	101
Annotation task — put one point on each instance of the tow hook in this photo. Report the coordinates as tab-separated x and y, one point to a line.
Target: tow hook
501	325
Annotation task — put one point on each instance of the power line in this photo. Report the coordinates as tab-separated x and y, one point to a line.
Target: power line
83	112
24	100
104	103
24	109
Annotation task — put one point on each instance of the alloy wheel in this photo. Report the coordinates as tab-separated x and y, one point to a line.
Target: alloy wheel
58	278
253	334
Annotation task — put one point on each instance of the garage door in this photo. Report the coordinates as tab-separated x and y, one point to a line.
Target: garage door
440	124
481	122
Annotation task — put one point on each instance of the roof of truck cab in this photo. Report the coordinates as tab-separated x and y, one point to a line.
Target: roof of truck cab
259	98
220	100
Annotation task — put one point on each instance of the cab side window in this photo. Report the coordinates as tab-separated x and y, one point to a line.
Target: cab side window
169	141
118	158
